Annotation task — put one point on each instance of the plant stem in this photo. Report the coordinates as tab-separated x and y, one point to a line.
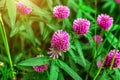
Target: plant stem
89	70
113	59
99	69
104	59
95	28
22	43
95	48
5	41
48	74
103	64
102	33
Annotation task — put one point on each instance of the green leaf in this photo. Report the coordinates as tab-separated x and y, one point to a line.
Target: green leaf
117	75
72	55
89	37
18	57
80	62
88	15
85	46
107	4
4	58
103	76
11	7
112	7
114	27
81	2
46	34
61	77
50	4
67	69
17	29
79	50
74	3
93	69
79	13
68	23
52	27
76	58
87	8
29	34
14	31
73	64
54	71
41	26
112	39
35	61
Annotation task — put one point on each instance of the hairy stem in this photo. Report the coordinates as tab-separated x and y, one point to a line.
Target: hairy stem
5	41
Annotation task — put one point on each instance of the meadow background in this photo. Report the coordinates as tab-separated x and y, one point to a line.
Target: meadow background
23	37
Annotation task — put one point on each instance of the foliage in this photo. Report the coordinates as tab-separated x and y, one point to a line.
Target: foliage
27	36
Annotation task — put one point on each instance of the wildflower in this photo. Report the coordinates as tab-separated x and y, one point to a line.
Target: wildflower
109	59
61	12
22	9
99	64
59	43
104	21
98	39
118	1
40	68
81	26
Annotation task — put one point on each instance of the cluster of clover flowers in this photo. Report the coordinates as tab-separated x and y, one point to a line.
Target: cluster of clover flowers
60	39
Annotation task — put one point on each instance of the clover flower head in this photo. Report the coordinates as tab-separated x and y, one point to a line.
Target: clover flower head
104	21
109	58
81	26
61	12
98	39
22	9
99	64
59	43
40	68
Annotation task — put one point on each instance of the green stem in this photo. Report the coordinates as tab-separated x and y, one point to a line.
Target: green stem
96	26
113	59
99	69
22	43
5	41
104	62
48	74
89	70
95	48
105	58
102	33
